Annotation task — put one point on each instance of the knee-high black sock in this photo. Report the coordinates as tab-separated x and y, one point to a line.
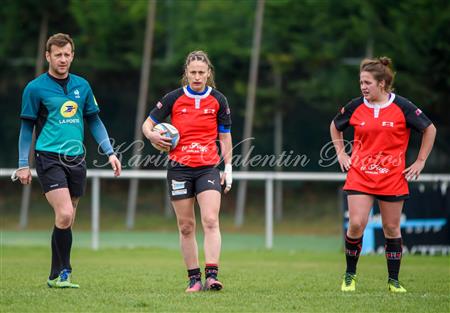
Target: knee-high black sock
63	242
393	250
56	259
352	250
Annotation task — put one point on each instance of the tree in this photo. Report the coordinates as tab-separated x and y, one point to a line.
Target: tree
250	108
143	93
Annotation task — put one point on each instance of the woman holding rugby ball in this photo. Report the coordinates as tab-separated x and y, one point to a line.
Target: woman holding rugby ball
201	114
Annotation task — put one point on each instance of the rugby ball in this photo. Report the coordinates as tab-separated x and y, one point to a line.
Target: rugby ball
170	132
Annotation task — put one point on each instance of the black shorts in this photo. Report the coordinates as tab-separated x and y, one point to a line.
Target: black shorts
58	171
387	198
186	182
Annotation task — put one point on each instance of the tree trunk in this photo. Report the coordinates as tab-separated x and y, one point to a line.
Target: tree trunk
278	141
39	69
170	10
140	112
250	109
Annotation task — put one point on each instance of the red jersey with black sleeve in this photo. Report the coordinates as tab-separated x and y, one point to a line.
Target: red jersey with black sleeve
381	139
199	118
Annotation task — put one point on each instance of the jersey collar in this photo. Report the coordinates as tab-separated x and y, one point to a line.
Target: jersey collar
381	106
197	98
377	107
191	91
61	81
188	92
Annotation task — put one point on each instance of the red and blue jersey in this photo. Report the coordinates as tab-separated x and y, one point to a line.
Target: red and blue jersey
199	118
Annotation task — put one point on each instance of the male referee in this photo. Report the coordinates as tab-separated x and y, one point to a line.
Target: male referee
56	103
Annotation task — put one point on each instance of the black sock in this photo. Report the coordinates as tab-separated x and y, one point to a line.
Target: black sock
352	250
63	243
56	259
195	273
393	250
211	270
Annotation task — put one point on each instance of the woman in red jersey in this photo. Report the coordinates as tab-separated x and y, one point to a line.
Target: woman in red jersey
382	122
201	114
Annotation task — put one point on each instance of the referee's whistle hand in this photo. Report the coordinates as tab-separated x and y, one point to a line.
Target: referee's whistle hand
115	164
24	175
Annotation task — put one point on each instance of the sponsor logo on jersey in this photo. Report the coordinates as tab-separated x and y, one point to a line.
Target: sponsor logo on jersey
209	111
194	147
387	124
69	109
362	123
342	110
184	110
211	181
76	92
159	105
374	169
69	121
418	112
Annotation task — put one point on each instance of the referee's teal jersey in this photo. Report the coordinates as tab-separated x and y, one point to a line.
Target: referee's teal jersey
58	112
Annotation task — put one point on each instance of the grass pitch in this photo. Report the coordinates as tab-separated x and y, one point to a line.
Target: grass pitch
153	279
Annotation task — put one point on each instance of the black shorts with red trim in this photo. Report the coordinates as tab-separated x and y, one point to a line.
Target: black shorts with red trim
59	171
186	182
387	198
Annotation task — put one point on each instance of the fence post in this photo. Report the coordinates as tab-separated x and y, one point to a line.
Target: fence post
95	212
24	207
269	213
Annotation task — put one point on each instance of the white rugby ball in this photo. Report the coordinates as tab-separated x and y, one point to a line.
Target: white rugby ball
170	132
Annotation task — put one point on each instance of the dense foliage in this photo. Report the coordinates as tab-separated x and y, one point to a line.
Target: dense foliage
314	47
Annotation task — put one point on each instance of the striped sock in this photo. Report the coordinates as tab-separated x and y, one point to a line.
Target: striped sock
211	270
393	251
195	273
352	250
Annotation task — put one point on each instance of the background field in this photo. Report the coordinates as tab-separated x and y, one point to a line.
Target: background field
302	274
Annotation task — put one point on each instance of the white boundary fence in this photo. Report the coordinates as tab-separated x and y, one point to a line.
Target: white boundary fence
268	177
